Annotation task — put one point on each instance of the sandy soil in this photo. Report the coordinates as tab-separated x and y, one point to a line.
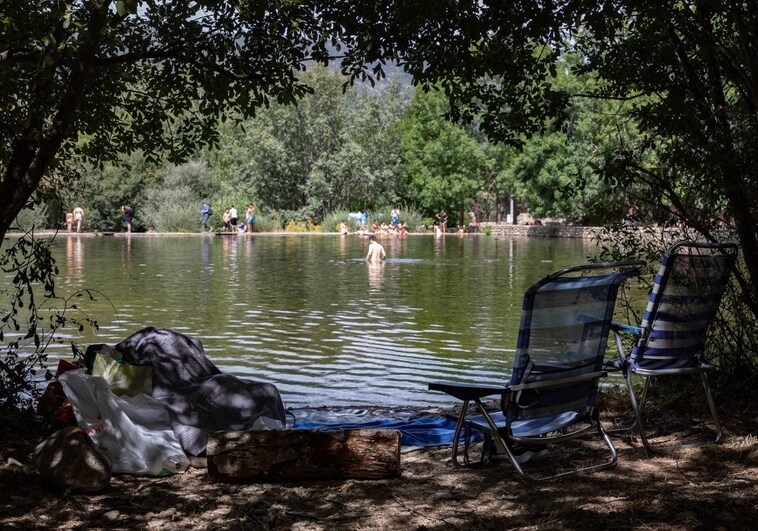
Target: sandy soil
712	487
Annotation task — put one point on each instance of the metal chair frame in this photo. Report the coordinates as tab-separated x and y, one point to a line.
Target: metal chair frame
629	363
509	427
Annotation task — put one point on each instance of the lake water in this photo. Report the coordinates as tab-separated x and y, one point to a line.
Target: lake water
308	314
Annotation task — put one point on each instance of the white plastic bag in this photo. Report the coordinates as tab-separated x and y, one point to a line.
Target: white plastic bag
134	433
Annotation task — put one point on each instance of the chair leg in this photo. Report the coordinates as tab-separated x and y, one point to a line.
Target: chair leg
457	433
711	406
623	367
496	439
645	391
714	415
638	408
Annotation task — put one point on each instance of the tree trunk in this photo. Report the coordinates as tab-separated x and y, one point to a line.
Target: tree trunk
301	455
36	146
734	176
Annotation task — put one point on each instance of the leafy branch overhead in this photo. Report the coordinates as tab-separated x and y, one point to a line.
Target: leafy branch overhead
32	318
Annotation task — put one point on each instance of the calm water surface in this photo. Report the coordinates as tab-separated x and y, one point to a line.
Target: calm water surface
307	313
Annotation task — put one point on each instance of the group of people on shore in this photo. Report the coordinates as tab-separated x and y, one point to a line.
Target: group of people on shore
230	219
396	226
399	228
75	216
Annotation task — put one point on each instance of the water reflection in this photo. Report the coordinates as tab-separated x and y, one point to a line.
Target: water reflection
74	259
394	246
310	315
127	250
375	277
439	244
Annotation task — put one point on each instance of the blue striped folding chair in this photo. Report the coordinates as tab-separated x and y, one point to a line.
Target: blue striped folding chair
671	339
565	324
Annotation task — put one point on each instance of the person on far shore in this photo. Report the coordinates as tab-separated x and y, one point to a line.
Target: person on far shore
675	218
402	229
630	220
69	221
395	216
375	251
226	219
234	215
723	220
442	218
477	213
128	211
78	218
205	213
343	228
250	218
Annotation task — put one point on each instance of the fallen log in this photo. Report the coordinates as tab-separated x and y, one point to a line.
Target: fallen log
301	455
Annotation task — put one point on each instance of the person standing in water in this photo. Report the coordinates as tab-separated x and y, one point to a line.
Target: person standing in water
375	251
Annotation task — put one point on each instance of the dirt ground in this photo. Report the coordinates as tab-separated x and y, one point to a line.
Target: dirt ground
711	487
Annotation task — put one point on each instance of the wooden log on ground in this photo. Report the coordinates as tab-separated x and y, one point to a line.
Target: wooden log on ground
301	455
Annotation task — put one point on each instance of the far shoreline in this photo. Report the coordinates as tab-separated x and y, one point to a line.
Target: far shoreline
486	229
549	230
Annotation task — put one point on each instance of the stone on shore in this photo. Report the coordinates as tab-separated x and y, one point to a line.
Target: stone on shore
68	458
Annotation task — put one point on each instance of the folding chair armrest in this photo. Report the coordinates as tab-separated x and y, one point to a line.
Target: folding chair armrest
623	327
464	391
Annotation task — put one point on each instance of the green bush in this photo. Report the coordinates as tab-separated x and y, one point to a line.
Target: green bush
295	226
268	223
332	220
173	210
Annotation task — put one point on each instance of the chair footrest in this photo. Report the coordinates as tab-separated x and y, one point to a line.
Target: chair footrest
528	428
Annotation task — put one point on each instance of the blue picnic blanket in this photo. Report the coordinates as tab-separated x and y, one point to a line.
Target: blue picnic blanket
416	429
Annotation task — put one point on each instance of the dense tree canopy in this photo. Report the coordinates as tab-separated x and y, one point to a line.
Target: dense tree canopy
86	80
445	164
